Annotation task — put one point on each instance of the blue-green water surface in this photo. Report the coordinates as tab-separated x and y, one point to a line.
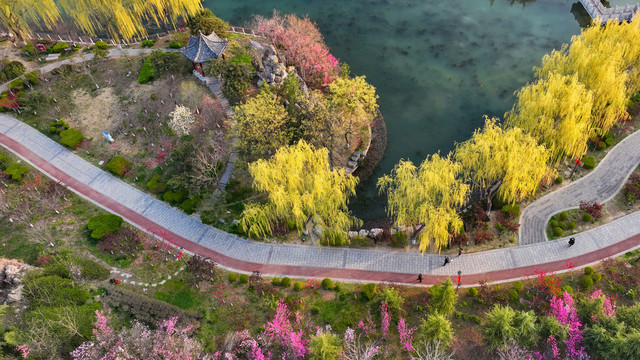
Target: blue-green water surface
438	66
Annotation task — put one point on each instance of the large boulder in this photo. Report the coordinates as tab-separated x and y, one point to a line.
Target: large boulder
11	274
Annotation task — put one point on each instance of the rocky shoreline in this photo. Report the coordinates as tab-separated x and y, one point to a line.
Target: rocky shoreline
376	149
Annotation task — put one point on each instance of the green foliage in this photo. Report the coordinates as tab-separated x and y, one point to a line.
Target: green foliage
563	216
147	43
233	277
16	171
156	186
159	63
275	281
630	315
29	49
103	224
325	346
394	301
513	295
206	22
175	45
327	284
54	291
498	326
518	285
550	326
244	278
443	297
369	290
104	46
33	77
59	47
553	223
17	85
473	292
285	282
71	138
587	217
147	73
333	237
512	211
557	231
189	205
13	70
56	127
558	180
596	277
588	162
435	328
298	286
175	197
588	270
399	240
118	165
586	282
567	289
91	270
562	225
572	225
237	77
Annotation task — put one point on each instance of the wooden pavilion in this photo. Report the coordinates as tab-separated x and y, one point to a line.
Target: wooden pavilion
204	47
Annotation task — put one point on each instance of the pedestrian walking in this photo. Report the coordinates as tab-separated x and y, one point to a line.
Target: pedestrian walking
446	261
459	251
419	277
572	241
459	280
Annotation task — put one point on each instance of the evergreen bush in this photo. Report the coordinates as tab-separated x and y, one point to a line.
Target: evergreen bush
586	282
233	277
588	270
553	223
147	43
588	162
567	289
275	281
596	277
572	225
558	180
298	286
399	240
369	290
518	285
71	138
118	165
557	231
513	295
59	47
102	45
16	171
327	284
473	292
103	224
587	217
244	278
175	45
563	216
285	282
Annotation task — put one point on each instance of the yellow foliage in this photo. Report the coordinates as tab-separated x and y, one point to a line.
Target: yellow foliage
428	195
300	186
510	156
16	15
556	111
355	99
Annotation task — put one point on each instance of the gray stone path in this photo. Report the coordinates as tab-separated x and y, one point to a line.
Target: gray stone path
343	259
618	13
600	185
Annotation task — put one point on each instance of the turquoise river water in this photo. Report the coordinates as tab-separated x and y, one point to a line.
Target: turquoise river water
438	66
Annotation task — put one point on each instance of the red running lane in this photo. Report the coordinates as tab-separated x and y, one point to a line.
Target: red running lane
306	271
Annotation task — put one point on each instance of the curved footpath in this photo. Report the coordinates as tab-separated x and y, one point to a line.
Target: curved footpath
230	251
600	185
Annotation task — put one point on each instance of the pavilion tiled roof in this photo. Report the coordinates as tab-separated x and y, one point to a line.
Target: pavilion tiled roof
204	47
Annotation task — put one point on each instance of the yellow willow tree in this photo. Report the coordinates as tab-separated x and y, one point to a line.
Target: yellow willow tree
356	100
17	15
117	18
510	157
300	186
599	63
556	111
426	197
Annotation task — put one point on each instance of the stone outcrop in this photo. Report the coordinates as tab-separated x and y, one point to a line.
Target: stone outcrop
272	69
11	273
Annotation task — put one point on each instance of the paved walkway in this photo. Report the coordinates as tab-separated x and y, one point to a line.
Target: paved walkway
602	184
230	251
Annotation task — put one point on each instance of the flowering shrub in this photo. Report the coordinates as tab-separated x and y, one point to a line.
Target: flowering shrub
406	335
563	309
592	208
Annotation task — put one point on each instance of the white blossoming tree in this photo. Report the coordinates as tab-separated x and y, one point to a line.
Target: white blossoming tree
181	120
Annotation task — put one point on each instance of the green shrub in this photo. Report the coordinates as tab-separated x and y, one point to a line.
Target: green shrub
596	277
512	211
567	289
285	282
298	286
473	292
327	284
608	139
443	297
175	45
557	231
244	278
553	224
156	186
334	238
275	281
91	270
33	77
16	171
56	127
399	240
71	138
54	291
118	165
369	290
337	287
563	216
518	285
153	97
147	73
558	180
513	295
586	282
13	70
57	269
190	204
587	217
588	270
588	162
601	145
233	277
103	224
147	43
395	302
562	225
572	225
17	84
59	47
29	49
435	328
102	45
